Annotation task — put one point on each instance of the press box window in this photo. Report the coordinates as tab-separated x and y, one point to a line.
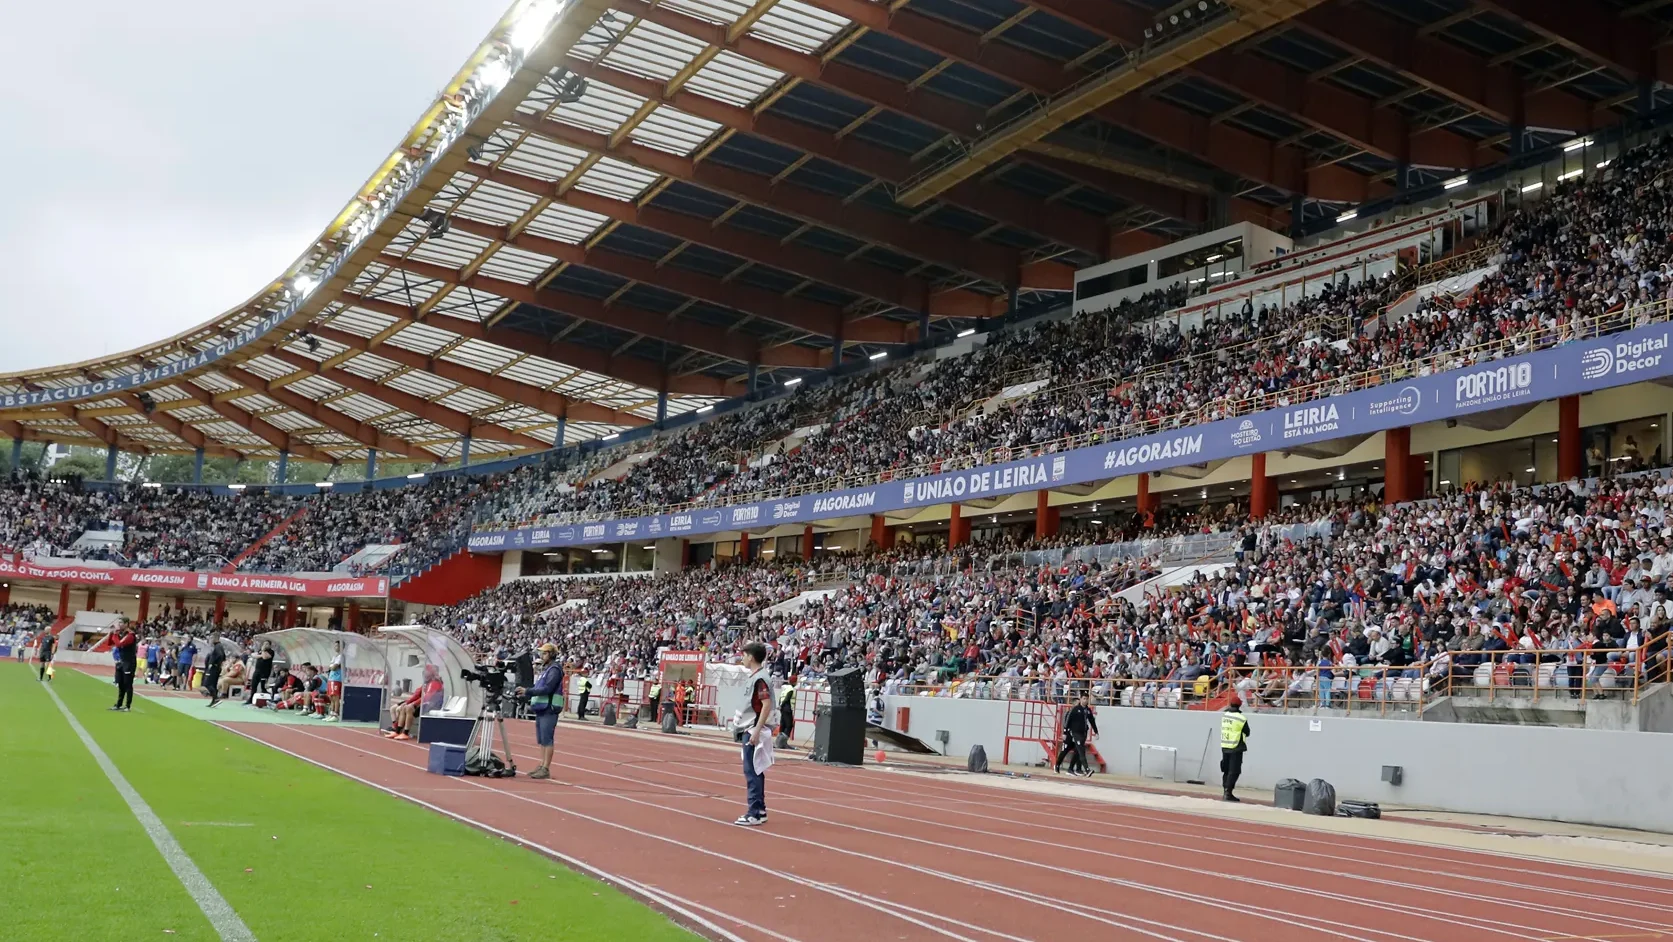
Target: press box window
1112	281
1212	257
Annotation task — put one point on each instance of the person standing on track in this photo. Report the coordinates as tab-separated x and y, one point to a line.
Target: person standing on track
586	684
1077	726
334	683
1234	741
547	687
760	720
787	709
213	661
261	672
126	644
44	650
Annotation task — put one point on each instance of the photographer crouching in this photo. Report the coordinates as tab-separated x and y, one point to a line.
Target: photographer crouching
547	686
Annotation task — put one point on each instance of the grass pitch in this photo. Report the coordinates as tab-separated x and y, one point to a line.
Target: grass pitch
298	852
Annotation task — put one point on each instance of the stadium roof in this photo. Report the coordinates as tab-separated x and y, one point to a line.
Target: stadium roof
666	191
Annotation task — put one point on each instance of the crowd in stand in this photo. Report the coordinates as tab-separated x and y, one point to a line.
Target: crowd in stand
1573	581
1593	246
426	519
24	620
178	528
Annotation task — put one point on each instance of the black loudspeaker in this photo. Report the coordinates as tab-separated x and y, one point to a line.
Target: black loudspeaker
839	735
848	689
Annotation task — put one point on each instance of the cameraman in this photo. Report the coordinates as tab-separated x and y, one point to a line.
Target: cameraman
547	686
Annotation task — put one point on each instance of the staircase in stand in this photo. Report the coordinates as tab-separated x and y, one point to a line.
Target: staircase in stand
448	581
250	550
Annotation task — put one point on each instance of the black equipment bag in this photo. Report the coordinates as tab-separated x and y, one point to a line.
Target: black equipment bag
1358	809
1321	798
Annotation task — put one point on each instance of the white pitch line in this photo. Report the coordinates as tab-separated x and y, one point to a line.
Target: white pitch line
220	914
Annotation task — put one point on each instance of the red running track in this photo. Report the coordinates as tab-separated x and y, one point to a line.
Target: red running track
865	854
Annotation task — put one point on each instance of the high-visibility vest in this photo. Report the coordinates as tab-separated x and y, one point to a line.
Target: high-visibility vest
1232	726
656	691
586	684
785	693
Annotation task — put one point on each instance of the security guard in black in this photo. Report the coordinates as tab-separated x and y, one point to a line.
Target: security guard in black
1234	742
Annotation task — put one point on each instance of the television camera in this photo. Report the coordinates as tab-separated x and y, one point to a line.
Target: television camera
496	678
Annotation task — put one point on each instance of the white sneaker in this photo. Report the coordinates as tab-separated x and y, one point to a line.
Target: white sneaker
331	719
750	821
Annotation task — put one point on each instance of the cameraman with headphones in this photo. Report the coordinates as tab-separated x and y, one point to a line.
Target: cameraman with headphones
547	686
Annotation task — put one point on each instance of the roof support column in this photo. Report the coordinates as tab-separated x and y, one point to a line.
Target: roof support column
1259	495
754	373
197	466
661	409
558	436
923	328
1397	452
283	471
110	462
17	452
465	450
371	463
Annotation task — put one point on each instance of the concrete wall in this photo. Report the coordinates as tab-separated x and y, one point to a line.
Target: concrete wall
1587	776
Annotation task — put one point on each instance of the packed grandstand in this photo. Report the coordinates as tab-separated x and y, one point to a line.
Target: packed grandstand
1108	374
823	389
1575	573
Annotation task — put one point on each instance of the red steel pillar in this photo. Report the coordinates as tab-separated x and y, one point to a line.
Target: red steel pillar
807	541
144	604
290	612
92	599
1147	502
1046	517
1570	456
220	609
64	600
1397	465
743	547
958	530
1259	491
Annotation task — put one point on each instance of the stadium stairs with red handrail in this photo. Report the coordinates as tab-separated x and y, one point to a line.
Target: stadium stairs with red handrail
248	551
454	579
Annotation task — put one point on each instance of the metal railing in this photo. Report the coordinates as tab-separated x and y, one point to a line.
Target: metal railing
1571	676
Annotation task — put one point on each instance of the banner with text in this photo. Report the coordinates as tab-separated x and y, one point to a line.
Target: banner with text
1582	366
175	580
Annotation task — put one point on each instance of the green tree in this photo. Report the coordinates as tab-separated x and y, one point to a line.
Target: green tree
30	459
81	462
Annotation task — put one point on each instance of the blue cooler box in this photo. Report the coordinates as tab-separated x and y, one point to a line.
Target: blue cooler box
447	759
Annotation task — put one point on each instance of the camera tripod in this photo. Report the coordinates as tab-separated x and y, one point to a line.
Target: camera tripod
480	756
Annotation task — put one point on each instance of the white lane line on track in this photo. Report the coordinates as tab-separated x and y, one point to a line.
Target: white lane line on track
1324	925
886	907
1475	923
1087	912
1277	830
221	916
1492	925
631	886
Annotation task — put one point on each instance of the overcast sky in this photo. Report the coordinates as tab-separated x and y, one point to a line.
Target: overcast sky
163	160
